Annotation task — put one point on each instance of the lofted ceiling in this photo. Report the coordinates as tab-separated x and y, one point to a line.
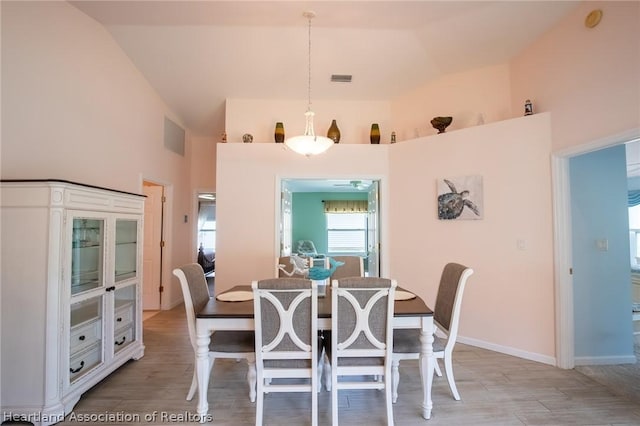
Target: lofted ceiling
196	54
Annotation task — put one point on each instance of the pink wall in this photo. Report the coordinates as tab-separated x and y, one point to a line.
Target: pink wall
259	116
589	79
248	198
74	107
509	301
471	98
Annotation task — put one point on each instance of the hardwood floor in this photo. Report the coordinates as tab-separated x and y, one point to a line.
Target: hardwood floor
496	389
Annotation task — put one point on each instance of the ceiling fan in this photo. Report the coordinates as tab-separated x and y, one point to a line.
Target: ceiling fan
356	184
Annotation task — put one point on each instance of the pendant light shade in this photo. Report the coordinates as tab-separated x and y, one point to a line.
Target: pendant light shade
309	144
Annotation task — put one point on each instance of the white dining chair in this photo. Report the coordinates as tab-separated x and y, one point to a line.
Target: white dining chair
353	266
361	337
286	339
224	344
446	316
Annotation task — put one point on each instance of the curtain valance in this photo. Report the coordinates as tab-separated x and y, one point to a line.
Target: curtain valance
345	206
634	197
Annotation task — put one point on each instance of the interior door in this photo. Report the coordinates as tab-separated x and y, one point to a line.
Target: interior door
373	231
286	221
152	255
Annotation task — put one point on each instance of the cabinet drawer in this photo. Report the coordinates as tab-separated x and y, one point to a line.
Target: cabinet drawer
84	336
123	316
83	362
123	338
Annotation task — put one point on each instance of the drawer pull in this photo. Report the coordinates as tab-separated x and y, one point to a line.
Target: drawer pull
119	319
121	342
77	369
81	337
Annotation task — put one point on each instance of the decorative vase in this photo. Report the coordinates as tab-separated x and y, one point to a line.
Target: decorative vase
374	136
247	138
334	133
279	132
441	123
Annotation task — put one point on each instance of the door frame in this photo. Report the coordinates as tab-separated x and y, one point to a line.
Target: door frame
383	226
562	236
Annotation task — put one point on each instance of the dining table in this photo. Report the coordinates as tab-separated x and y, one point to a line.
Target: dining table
411	313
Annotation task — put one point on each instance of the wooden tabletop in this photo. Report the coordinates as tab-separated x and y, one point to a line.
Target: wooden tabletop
217	309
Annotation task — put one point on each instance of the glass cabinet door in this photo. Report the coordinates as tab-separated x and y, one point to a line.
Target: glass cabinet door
126	249
87	254
85	345
124	318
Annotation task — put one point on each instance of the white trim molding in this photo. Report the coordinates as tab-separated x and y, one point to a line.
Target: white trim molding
507	350
605	360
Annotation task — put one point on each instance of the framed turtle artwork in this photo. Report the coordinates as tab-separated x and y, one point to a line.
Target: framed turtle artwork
460	198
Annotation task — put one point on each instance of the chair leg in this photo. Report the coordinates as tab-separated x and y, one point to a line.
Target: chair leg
436	366
395	376
194	386
334	399
326	369
448	368
389	397
252	379
259	401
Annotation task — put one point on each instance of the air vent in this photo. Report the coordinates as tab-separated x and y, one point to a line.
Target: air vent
341	78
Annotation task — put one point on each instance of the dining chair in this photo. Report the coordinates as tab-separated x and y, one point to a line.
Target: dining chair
446	317
353	267
361	337
286	339
224	344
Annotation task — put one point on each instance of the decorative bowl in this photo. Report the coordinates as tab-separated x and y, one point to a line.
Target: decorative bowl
441	123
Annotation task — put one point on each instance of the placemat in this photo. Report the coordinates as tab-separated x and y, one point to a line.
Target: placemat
403	295
235	296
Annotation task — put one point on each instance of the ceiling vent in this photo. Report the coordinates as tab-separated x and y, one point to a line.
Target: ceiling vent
341	78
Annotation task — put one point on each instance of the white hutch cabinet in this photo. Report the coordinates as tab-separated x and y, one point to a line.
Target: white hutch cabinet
71	270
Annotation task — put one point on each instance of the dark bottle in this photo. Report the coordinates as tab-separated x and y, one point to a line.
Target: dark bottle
374	136
279	133
334	133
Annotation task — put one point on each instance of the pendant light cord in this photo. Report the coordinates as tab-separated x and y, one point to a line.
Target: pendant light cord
309	80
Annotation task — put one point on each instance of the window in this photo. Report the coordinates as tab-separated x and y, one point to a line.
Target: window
634	235
347	233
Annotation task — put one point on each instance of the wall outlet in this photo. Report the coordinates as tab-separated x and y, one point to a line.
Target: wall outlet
602	244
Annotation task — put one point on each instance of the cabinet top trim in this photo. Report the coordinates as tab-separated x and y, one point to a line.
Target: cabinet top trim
71	183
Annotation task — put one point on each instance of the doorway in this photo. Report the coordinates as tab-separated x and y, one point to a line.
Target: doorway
563	236
153	247
303	217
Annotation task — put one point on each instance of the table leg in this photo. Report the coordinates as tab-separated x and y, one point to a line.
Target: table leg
202	369
426	368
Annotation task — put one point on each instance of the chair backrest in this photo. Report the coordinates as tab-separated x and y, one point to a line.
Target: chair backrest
195	292
286	311
353	267
449	299
362	317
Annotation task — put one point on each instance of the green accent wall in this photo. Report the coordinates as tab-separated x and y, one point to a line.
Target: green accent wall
307	216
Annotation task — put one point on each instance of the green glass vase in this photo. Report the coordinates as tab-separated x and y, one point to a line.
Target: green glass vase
374	136
279	132
334	133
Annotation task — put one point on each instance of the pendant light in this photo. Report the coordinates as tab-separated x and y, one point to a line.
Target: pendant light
309	143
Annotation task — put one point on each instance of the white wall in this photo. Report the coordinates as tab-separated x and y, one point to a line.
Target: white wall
74	107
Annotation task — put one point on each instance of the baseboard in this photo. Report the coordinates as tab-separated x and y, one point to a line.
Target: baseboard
532	356
605	360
